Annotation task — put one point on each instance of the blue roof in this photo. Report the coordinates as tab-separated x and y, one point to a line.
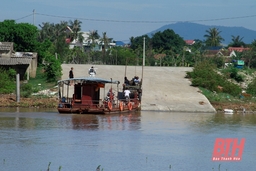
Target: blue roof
119	43
214	47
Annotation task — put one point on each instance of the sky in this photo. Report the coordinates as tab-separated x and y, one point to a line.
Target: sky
122	19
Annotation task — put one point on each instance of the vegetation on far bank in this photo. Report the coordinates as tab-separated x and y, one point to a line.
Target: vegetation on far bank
218	84
227	87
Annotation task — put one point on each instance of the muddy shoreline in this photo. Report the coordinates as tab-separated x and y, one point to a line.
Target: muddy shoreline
52	102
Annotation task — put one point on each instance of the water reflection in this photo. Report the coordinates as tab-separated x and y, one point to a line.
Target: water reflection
109	122
234	119
136	141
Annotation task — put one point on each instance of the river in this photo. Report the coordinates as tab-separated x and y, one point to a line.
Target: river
145	141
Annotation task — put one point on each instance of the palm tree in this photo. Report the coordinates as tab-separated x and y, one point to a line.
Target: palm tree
76	30
213	37
105	41
92	37
237	41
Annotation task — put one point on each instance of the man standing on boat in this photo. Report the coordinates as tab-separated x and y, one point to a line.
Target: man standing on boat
127	94
71	75
92	72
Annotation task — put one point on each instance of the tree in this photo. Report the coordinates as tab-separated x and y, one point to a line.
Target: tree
249	55
213	37
57	34
137	42
76	33
167	40
23	35
52	68
104	41
237	41
92	37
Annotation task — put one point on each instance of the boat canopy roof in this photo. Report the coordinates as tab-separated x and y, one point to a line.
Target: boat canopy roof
88	80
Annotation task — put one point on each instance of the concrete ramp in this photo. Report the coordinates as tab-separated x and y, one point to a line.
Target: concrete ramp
164	88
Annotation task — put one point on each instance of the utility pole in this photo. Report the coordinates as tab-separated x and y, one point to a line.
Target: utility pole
34	17
17	87
143	51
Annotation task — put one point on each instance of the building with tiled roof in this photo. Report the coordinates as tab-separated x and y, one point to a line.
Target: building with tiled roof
189	42
238	49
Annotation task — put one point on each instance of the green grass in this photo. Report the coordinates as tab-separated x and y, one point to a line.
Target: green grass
40	81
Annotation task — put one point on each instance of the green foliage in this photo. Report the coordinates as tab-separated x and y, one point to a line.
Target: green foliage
167	40
213	37
205	75
52	68
7	81
137	42
232	72
251	89
23	35
217	97
218	61
26	90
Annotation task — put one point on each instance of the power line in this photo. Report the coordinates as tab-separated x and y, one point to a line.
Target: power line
23	17
133	21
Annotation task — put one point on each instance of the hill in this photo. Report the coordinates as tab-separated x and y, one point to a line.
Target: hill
191	31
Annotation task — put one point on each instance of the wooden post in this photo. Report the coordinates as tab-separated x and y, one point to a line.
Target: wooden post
17	87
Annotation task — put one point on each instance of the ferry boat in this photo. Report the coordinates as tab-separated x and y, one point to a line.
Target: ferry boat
93	95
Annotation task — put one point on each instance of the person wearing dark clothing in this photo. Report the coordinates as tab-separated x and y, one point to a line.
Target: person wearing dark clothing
71	74
126	81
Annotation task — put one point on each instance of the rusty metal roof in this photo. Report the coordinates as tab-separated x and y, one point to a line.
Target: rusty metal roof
15	61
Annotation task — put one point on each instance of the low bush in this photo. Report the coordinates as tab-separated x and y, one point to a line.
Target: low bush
7	81
205	75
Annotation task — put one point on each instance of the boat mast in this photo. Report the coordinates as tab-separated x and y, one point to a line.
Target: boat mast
143	57
125	67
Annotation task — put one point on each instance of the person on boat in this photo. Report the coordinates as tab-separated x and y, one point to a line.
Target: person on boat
71	75
127	94
126	81
92	71
136	80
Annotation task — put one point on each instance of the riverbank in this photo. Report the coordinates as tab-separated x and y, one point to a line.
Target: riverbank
9	100
52	102
164	89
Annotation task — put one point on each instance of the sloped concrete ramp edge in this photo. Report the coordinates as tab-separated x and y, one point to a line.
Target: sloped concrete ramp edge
164	88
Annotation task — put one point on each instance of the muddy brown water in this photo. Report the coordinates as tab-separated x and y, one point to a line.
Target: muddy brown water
144	141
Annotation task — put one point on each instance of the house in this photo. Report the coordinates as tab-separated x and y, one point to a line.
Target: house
86	44
24	63
190	42
238	49
219	51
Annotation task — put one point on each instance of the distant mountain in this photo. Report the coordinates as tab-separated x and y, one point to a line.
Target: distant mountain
191	31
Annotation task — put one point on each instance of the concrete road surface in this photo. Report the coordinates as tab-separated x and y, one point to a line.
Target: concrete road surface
164	88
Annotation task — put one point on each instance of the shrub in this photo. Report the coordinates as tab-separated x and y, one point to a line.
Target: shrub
26	90
52	69
251	89
7	83
205	75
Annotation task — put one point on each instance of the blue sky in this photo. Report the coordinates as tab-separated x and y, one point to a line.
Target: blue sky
124	19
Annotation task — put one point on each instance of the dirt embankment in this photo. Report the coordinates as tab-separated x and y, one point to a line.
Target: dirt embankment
52	102
248	107
37	102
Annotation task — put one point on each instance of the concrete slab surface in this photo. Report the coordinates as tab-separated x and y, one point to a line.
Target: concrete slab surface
164	88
